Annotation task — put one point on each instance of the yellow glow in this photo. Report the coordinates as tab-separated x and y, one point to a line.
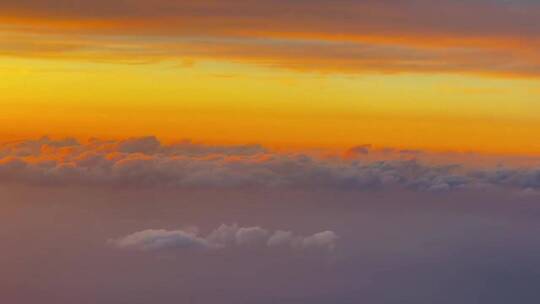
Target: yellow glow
237	103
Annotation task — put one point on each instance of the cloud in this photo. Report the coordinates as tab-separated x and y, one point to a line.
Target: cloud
187	147
222	237
251	235
227	235
34	147
148	163
361	149
280	238
147	145
322	240
152	240
150	145
210	18
322	56
326	239
478	37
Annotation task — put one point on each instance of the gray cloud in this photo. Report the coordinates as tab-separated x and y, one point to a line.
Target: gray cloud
151	145
33	147
320	16
147	145
361	149
146	162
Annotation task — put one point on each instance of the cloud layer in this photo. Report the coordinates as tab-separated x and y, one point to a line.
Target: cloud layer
146	162
478	36
222	237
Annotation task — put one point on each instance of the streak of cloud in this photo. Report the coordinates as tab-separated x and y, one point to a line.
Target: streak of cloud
475	37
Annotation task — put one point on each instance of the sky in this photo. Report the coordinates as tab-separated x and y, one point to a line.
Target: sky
437	75
142	221
246	151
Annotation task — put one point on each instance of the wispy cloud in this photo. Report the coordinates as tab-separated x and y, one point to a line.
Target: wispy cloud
479	37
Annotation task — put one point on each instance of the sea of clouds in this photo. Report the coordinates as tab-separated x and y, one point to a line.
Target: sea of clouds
146	162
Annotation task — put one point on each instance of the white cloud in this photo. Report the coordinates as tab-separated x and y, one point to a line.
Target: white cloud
325	239
251	235
322	240
151	240
281	238
222	237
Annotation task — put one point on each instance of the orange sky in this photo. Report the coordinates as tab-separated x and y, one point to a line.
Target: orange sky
446	76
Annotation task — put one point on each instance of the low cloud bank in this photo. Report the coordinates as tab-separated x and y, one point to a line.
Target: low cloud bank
146	162
223	237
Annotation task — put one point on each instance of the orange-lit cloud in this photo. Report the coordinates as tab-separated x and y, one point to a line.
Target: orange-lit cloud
302	55
479	37
146	162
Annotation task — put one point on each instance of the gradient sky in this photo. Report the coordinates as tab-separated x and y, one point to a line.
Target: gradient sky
438	75
263	152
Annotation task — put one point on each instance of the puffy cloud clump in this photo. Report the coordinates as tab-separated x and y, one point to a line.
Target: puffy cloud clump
222	237
150	240
325	240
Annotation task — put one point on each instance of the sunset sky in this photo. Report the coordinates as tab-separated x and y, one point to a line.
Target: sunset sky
269	151
436	75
